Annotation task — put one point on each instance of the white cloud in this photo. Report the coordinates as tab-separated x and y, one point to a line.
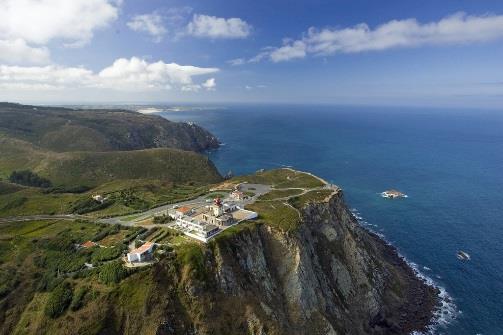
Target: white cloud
237	61
296	49
45	77
455	29
26	26
210	84
133	74
151	24
136	72
217	27
18	52
40	21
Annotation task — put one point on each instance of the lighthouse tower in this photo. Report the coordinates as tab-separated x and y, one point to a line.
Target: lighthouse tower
217	207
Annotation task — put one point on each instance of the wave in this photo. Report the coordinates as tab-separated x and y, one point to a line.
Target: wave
448	311
149	110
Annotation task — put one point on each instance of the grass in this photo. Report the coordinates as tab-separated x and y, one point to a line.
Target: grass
93	169
282	178
29	201
16	201
309	197
36	257
231	231
214	195
63	130
191	259
113	239
8	188
278	194
131	217
276	214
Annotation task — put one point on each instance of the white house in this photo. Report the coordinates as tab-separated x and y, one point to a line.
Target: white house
98	198
237	195
183	211
142	253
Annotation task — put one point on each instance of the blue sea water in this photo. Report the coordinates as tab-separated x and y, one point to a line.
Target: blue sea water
449	163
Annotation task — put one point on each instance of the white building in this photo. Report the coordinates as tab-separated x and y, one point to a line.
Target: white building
142	253
213	219
98	198
237	195
183	211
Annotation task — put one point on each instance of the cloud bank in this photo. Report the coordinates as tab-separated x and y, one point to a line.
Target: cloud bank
151	24
459	28
26	26
132	74
217	27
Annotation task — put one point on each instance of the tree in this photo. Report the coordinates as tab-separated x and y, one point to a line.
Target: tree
29	178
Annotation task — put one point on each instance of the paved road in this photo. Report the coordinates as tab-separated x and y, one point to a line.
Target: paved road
258	189
43	217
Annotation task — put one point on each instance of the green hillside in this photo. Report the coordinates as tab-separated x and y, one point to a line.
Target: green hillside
95	168
65	129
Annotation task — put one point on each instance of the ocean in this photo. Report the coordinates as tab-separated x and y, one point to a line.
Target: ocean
449	163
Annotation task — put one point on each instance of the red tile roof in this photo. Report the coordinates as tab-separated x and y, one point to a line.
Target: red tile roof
88	244
143	248
184	209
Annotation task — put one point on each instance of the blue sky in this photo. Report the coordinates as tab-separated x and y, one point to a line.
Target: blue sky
432	53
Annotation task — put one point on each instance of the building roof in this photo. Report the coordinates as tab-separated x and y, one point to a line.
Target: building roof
184	209
88	244
209	227
225	217
145	247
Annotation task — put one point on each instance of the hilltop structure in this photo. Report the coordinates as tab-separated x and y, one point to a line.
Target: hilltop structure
205	222
141	254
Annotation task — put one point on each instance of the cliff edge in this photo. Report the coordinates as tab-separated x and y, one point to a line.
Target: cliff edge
327	276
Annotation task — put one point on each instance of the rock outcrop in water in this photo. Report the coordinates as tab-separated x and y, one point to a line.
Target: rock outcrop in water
329	276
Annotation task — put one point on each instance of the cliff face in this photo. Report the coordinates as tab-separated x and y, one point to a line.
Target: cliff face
328	277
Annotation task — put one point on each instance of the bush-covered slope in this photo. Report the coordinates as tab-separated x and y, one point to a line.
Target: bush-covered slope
64	129
95	168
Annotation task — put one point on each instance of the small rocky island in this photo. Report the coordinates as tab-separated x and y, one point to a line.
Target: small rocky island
393	194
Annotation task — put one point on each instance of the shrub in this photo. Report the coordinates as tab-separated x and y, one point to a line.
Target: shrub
48	282
59	300
130	199
112	272
69	189
78	298
87	204
107	254
8	281
29	178
162	219
108	230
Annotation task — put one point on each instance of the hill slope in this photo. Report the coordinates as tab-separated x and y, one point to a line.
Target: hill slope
65	129
95	168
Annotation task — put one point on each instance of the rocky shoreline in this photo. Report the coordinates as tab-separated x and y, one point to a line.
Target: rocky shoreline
422	299
329	276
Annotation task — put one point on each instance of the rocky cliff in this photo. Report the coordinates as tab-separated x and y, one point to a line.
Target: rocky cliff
328	276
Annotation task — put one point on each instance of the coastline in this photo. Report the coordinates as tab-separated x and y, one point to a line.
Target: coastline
438	309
